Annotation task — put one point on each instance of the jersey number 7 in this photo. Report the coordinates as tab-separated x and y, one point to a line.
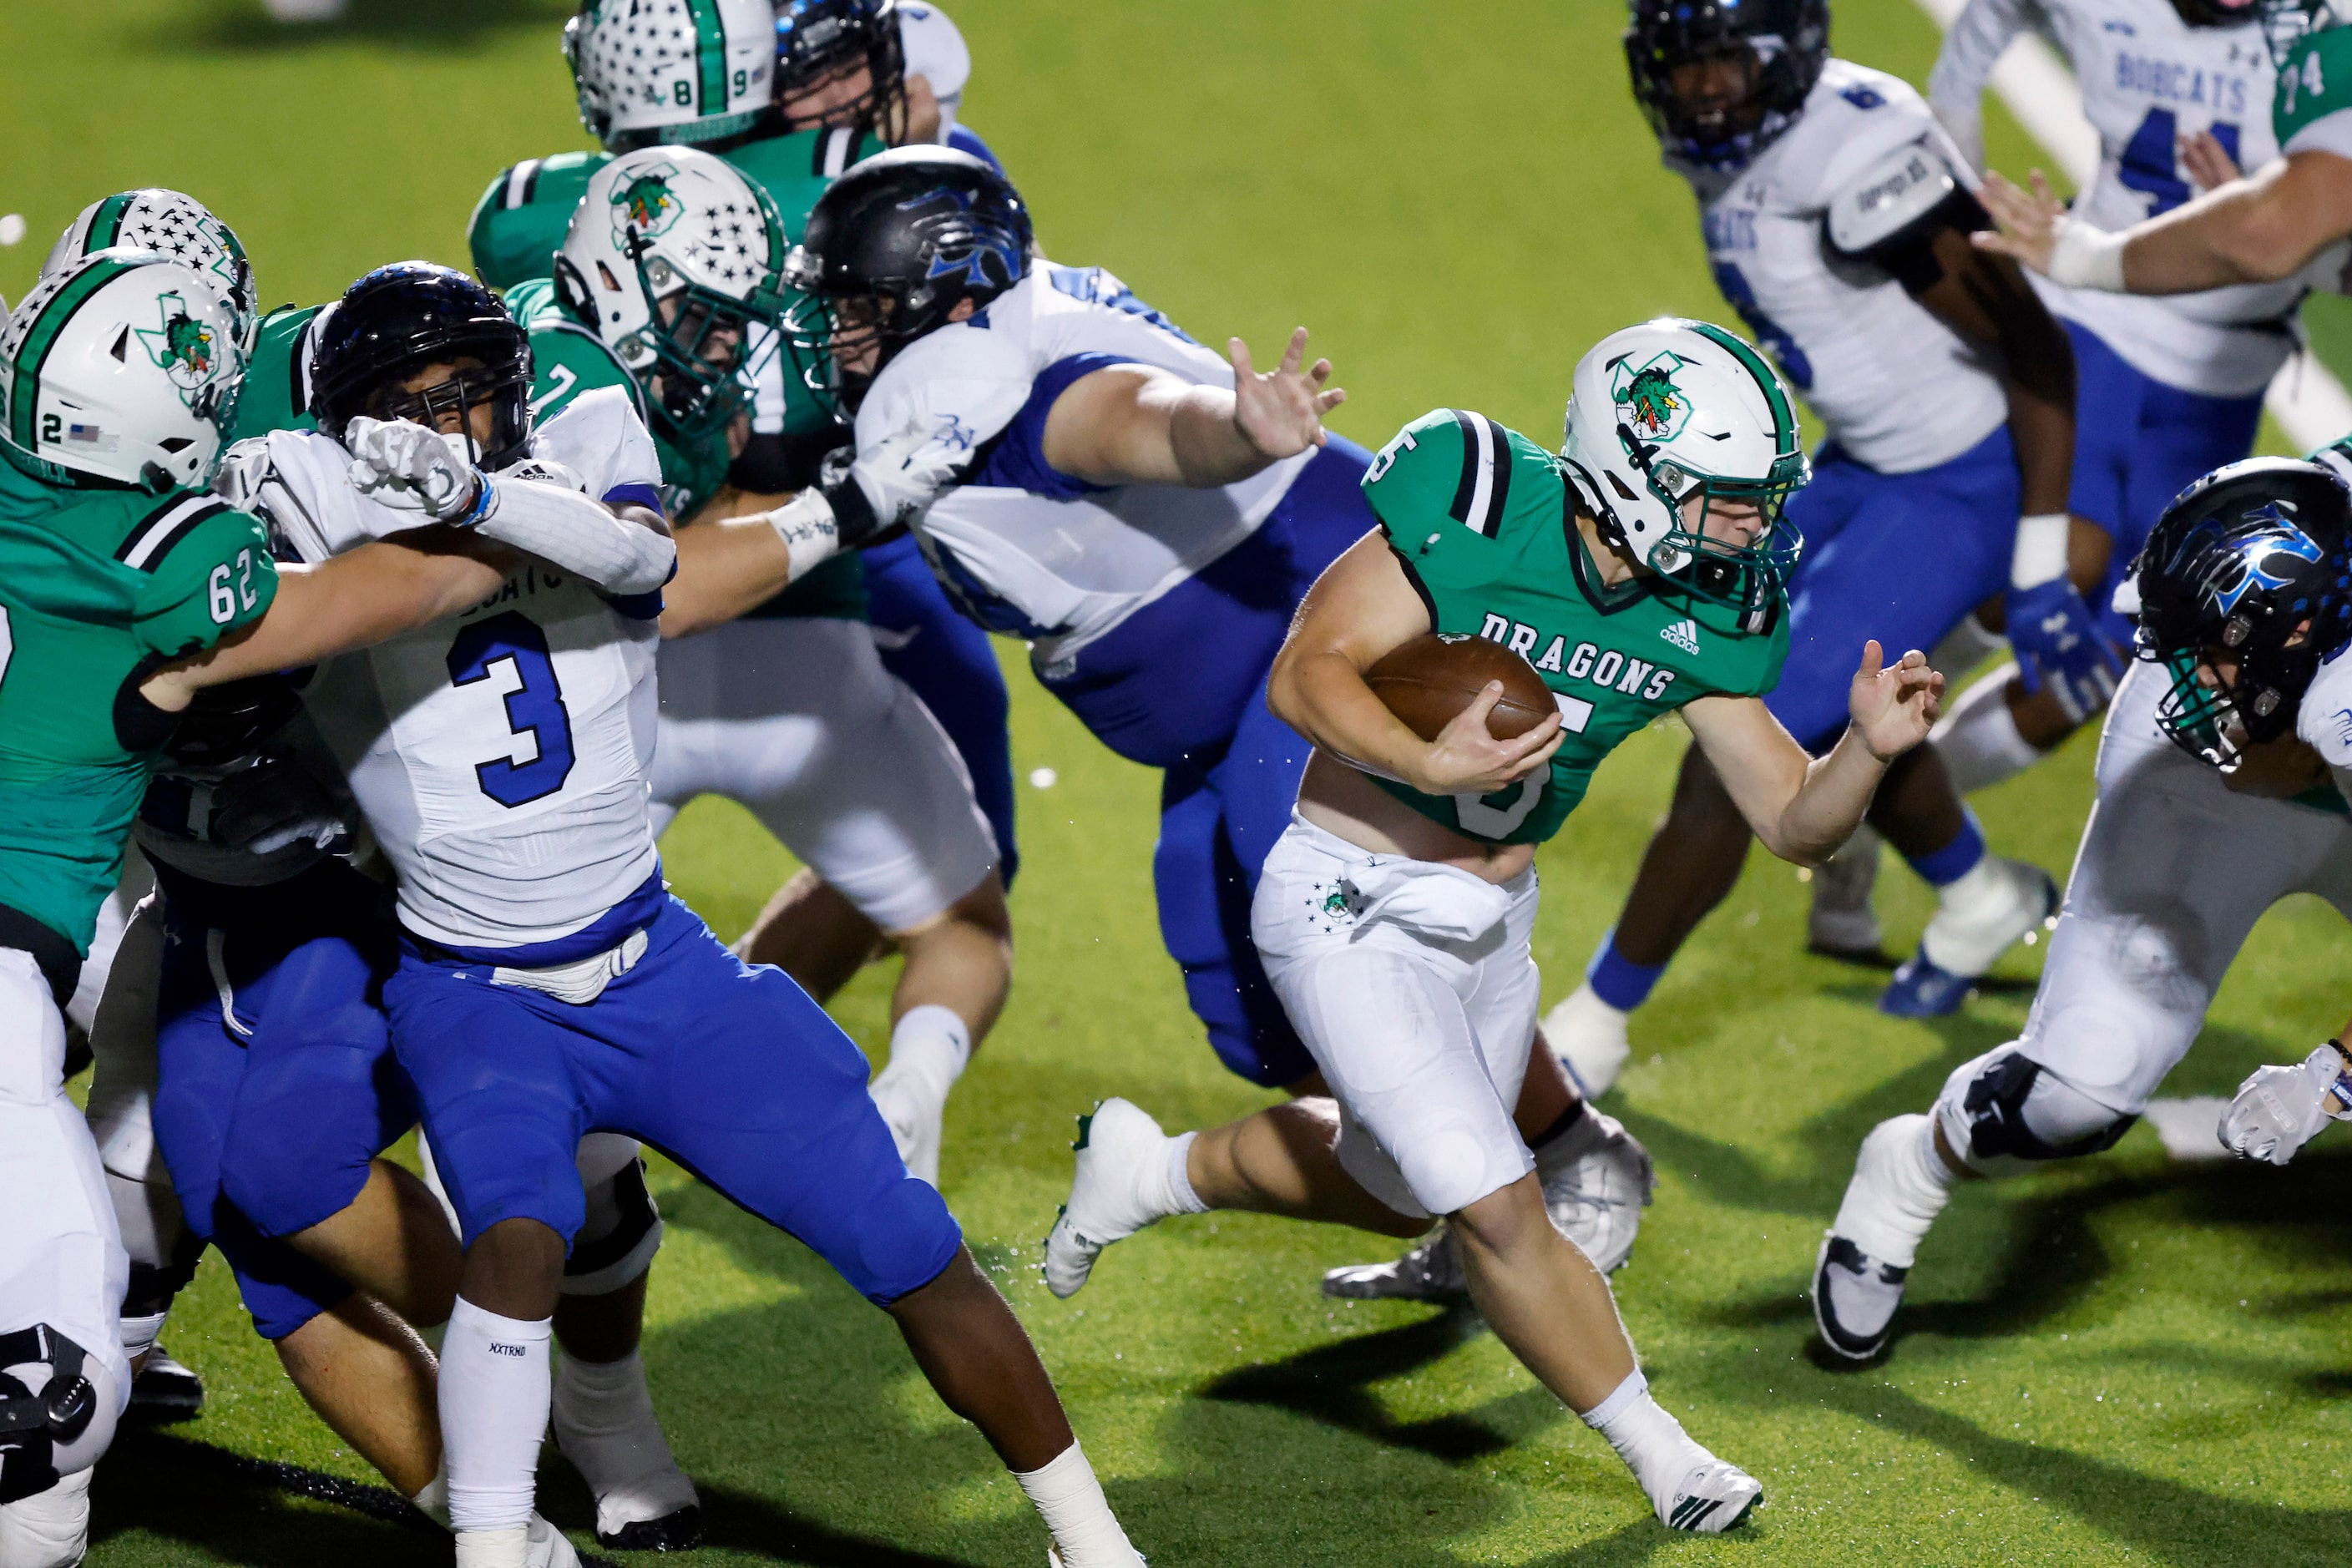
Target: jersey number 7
534	708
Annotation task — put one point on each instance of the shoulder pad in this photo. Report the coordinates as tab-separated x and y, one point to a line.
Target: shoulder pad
1888	196
1448	463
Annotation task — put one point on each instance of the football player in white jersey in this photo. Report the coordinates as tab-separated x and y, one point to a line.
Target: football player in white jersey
2167	389
2210	810
2281	220
1836	220
547	985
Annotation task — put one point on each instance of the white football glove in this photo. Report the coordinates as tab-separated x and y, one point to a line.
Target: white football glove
410	469
2280	1108
902	474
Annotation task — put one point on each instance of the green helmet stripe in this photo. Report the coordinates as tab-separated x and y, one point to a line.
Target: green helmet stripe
1784	418
711	56
34	353
106	224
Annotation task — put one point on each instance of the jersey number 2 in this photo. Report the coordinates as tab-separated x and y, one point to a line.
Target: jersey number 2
2151	159
534	707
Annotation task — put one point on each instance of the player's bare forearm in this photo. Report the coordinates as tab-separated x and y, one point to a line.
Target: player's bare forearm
1986	299
359	598
727	563
1771	780
1360	609
1824	812
2259	229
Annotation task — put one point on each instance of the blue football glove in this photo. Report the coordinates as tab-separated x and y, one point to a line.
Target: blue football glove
2058	645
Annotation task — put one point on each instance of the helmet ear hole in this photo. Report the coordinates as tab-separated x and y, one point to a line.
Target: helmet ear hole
1624	491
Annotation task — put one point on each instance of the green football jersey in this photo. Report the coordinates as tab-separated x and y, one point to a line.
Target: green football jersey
520	222
2315	81
566	358
277	394
93	584
1484	522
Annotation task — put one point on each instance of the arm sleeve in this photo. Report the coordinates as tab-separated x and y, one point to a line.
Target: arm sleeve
581	535
1964	66
209	574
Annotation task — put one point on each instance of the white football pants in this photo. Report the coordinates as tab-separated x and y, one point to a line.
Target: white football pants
796	720
1414	990
2173	872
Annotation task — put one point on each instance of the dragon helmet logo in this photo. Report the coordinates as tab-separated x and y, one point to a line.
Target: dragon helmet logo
646	205
182	347
1648	400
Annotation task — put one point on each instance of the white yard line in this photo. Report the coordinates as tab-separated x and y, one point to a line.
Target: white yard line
2033	82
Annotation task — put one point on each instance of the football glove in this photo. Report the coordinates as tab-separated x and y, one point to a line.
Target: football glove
2280	1108
413	471
2058	645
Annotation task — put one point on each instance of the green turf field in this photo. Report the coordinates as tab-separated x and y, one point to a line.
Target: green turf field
2129	1361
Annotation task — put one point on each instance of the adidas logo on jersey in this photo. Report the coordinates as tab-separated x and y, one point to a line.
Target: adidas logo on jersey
1683	635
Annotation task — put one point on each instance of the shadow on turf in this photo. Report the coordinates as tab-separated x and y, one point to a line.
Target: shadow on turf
243	27
2173	1524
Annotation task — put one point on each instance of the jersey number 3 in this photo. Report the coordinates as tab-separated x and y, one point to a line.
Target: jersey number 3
535	706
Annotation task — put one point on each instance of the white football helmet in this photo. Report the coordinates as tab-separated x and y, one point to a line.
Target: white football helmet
659	72
1674	409
174	225
125	367
673	259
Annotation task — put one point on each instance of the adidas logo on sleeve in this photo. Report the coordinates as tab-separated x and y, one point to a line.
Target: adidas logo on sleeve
1683	635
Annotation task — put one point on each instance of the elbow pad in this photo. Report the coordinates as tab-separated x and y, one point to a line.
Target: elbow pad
568	530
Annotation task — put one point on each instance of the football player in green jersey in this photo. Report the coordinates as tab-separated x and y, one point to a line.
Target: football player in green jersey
673	258
2266	225
1642	572
125	582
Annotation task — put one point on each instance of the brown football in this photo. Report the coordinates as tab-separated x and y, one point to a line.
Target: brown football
1427	681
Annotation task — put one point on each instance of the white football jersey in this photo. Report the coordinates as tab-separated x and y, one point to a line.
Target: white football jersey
936	52
501	755
1024	550
1898	389
2149	78
2324	721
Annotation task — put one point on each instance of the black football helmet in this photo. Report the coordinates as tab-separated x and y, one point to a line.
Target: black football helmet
2217	13
890	248
1777	47
818	41
2245	585
399	318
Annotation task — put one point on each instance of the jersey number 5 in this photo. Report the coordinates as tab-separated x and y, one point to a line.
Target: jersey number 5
534	705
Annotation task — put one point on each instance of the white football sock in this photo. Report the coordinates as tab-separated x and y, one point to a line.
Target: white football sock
605	1424
1071	1502
495	1392
508	1548
433	1502
929	1048
1978	739
139	1334
1181	1198
1652	1443
1900	1184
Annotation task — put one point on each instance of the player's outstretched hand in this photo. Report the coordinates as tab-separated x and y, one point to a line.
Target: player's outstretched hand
1467	758
2206	162
410	469
2280	1108
1894	705
2030	220
1281	413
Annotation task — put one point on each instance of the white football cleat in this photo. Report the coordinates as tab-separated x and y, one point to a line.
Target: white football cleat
917	1126
50	1528
1597	1180
1842	923
1589	1036
1123	1163
1432	1271
1854	1299
548	1547
1712	1498
1977	919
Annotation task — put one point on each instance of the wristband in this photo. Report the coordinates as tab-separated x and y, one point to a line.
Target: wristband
2088	258
2041	553
486	502
806	523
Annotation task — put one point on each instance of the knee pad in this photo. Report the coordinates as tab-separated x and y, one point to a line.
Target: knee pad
622	1232
57	1410
2005	1113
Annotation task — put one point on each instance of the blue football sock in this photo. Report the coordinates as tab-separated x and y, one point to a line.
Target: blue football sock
1956	859
1618	980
